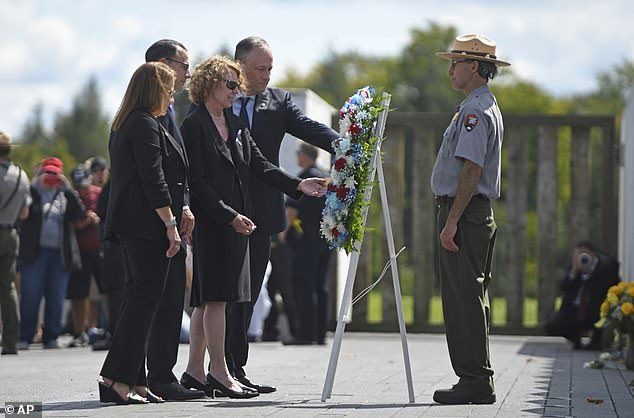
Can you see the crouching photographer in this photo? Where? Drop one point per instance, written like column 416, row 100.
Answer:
column 589, row 276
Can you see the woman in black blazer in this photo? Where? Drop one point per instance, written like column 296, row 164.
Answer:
column 147, row 178
column 222, row 154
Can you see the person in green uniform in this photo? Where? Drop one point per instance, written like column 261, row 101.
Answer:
column 465, row 178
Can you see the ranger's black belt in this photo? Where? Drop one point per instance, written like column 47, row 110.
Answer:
column 443, row 200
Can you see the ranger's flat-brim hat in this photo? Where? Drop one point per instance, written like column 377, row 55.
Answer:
column 474, row 46
column 5, row 141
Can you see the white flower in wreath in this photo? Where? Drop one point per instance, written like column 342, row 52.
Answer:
column 344, row 124
column 329, row 220
column 366, row 94
column 350, row 183
column 341, row 228
column 349, row 162
column 338, row 177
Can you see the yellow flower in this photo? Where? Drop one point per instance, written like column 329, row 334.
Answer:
column 630, row 290
column 605, row 308
column 616, row 290
column 612, row 298
column 627, row 308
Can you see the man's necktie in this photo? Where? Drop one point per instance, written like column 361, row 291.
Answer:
column 243, row 110
column 170, row 119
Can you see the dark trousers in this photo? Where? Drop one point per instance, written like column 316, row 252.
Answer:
column 113, row 280
column 310, row 278
column 162, row 351
column 146, row 273
column 464, row 278
column 9, row 244
column 281, row 281
column 239, row 314
column 565, row 323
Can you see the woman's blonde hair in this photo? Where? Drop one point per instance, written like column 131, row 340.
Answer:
column 146, row 90
column 209, row 74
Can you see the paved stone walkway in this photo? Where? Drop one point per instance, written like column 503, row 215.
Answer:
column 535, row 377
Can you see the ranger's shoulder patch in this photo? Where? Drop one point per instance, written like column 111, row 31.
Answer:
column 470, row 122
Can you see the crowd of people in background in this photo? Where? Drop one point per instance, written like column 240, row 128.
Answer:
column 57, row 249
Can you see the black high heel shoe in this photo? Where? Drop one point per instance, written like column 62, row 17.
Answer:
column 107, row 394
column 150, row 396
column 216, row 385
column 188, row 381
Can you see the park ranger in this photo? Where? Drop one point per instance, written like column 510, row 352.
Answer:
column 15, row 198
column 465, row 178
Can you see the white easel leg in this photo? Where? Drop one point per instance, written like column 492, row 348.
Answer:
column 395, row 279
column 341, row 325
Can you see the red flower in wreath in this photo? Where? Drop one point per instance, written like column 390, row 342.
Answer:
column 354, row 129
column 331, row 187
column 342, row 192
column 340, row 164
column 335, row 232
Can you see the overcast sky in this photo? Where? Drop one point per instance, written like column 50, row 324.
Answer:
column 48, row 48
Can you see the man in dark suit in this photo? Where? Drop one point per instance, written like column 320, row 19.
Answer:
column 165, row 333
column 589, row 277
column 270, row 113
column 310, row 254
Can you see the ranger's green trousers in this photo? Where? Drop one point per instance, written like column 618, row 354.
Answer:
column 464, row 278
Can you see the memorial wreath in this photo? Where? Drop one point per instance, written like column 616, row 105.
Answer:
column 342, row 217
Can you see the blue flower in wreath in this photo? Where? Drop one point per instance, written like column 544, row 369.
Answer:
column 344, row 144
column 352, row 194
column 356, row 100
column 357, row 152
column 332, row 201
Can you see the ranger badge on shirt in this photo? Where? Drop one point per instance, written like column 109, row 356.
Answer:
column 470, row 122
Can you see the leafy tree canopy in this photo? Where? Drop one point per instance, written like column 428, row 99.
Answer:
column 85, row 127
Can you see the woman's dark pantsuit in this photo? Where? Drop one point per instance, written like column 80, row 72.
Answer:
column 146, row 270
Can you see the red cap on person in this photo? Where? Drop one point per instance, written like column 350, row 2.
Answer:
column 53, row 165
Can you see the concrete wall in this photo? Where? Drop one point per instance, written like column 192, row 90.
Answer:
column 315, row 108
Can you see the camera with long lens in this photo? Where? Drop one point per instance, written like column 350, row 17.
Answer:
column 584, row 259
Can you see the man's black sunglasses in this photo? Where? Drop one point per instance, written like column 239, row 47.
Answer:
column 184, row 64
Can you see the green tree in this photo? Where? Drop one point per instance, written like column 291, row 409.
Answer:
column 340, row 74
column 520, row 96
column 34, row 130
column 37, row 143
column 415, row 78
column 85, row 127
column 609, row 97
column 29, row 155
column 420, row 82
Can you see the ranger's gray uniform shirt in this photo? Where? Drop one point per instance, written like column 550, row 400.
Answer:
column 9, row 174
column 475, row 133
